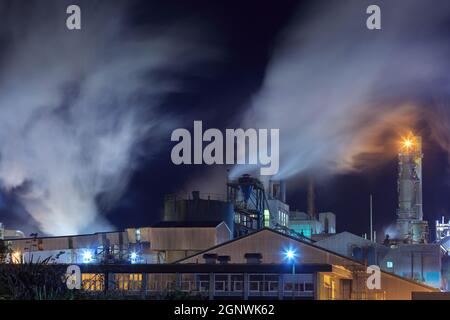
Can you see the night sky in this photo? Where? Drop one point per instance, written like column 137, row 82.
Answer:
column 244, row 38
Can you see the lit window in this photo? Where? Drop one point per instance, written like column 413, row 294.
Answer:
column 92, row 282
column 138, row 235
column 266, row 218
column 131, row 281
column 390, row 264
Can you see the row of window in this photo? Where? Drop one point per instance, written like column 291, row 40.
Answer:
column 199, row 282
column 283, row 218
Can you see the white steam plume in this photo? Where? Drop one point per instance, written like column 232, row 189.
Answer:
column 335, row 88
column 74, row 105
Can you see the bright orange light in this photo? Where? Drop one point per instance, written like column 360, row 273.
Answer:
column 16, row 257
column 407, row 143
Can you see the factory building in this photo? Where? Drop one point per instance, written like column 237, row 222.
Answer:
column 277, row 205
column 307, row 224
column 163, row 242
column 420, row 262
column 198, row 207
column 310, row 226
column 258, row 204
column 347, row 280
column 262, row 265
column 172, row 240
column 442, row 230
column 443, row 240
column 10, row 234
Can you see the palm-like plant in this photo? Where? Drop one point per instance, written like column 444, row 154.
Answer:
column 34, row 280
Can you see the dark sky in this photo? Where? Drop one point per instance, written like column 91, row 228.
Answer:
column 249, row 30
column 246, row 35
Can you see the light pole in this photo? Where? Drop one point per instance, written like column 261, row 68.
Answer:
column 290, row 255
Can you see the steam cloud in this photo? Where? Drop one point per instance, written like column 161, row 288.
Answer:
column 74, row 106
column 336, row 90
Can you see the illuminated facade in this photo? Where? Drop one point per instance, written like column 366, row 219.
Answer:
column 308, row 226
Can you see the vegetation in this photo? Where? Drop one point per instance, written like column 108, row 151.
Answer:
column 4, row 251
column 44, row 280
column 33, row 280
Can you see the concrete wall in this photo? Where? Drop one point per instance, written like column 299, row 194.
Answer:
column 183, row 238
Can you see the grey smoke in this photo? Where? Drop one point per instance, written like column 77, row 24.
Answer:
column 336, row 89
column 75, row 105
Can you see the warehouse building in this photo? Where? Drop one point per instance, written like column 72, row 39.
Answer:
column 164, row 242
column 264, row 264
column 420, row 262
column 9, row 234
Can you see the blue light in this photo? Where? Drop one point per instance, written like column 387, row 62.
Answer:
column 290, row 254
column 87, row 256
column 134, row 257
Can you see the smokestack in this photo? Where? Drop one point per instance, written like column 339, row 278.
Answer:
column 196, row 195
column 283, row 191
column 310, row 196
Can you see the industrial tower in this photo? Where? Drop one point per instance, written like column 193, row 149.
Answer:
column 410, row 225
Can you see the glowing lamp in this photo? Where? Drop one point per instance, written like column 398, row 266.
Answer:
column 407, row 143
column 87, row 256
column 290, row 254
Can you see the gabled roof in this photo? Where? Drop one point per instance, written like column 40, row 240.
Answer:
column 273, row 231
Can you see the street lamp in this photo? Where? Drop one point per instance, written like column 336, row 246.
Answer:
column 87, row 256
column 134, row 257
column 290, row 255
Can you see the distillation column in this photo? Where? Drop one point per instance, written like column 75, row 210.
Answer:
column 410, row 224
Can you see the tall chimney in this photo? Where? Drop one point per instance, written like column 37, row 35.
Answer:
column 195, row 195
column 311, row 206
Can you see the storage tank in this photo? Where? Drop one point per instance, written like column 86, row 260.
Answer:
column 198, row 207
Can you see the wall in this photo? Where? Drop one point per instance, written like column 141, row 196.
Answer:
column 421, row 262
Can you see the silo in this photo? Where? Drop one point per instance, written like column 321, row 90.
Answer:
column 198, row 207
